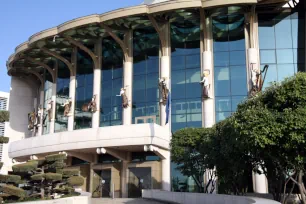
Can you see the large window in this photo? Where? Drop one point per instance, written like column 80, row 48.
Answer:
column 282, row 45
column 62, row 94
column 145, row 73
column 186, row 110
column 111, row 109
column 47, row 99
column 186, row 74
column 230, row 70
column 84, row 90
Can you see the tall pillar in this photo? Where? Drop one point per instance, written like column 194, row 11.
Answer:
column 53, row 99
column 72, row 87
column 166, row 178
column 123, row 178
column 209, row 103
column 164, row 73
column 260, row 183
column 128, row 77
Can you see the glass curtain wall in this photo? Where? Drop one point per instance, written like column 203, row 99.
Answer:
column 281, row 45
column 112, row 82
column 62, row 94
column 186, row 90
column 186, row 74
column 145, row 74
column 47, row 99
column 230, row 70
column 84, row 90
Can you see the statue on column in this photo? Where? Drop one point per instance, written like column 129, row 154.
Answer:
column 93, row 104
column 163, row 90
column 32, row 120
column 255, row 78
column 40, row 115
column 50, row 110
column 67, row 107
column 206, row 84
column 125, row 101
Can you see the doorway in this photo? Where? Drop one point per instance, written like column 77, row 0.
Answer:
column 139, row 178
column 106, row 176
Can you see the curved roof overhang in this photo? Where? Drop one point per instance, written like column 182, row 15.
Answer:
column 87, row 29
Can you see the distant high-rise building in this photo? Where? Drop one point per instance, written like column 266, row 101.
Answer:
column 4, row 105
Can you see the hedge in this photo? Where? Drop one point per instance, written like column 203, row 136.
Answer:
column 14, row 191
column 70, row 172
column 10, row 179
column 4, row 140
column 53, row 177
column 4, row 116
column 76, row 181
column 26, row 167
column 57, row 164
column 40, row 162
column 56, row 157
column 37, row 177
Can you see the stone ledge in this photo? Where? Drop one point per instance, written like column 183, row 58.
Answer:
column 70, row 200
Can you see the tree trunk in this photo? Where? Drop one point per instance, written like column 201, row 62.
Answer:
column 300, row 182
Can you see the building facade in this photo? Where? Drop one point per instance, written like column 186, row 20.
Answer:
column 110, row 89
column 4, row 132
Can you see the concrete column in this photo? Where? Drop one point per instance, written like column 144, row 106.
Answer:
column 41, row 104
column 166, row 178
column 209, row 103
column 96, row 92
column 123, row 178
column 53, row 99
column 164, row 72
column 72, row 87
column 260, row 183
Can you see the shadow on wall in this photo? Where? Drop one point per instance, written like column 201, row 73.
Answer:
column 22, row 94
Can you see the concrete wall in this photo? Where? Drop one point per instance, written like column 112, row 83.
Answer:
column 71, row 200
column 140, row 134
column 195, row 198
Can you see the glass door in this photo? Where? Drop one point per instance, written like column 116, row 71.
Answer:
column 139, row 178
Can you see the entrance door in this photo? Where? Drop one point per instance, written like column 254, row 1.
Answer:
column 139, row 178
column 106, row 183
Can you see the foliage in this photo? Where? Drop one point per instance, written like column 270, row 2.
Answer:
column 76, row 181
column 4, row 116
column 40, row 179
column 70, row 172
column 4, row 140
column 189, row 147
column 26, row 167
column 13, row 191
column 10, row 179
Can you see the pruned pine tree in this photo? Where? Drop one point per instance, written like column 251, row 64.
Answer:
column 9, row 189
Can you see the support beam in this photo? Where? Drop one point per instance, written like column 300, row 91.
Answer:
column 123, row 156
column 45, row 66
column 53, row 99
column 162, row 30
column 93, row 55
column 84, row 156
column 59, row 57
column 72, row 90
column 36, row 74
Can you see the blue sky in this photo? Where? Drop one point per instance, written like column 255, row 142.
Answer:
column 19, row 19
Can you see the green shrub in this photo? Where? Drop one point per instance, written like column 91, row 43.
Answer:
column 26, row 167
column 57, row 165
column 76, row 181
column 56, row 157
column 70, row 172
column 37, row 177
column 53, row 176
column 14, row 191
column 4, row 140
column 40, row 162
column 4, row 116
column 10, row 179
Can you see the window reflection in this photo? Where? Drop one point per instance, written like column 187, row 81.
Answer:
column 282, row 43
column 84, row 90
column 230, row 63
column 146, row 74
column 112, row 72
column 47, row 99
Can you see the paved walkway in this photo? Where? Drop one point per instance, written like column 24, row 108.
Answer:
column 122, row 201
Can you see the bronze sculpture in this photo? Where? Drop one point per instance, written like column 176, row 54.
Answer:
column 67, row 107
column 206, row 85
column 163, row 90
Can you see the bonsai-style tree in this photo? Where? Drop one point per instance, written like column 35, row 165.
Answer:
column 9, row 183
